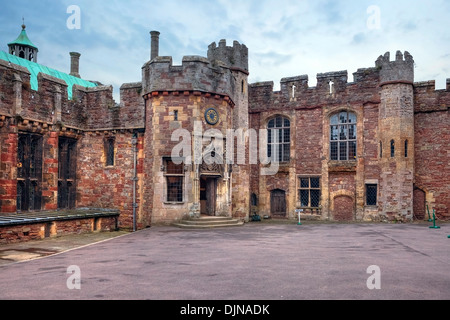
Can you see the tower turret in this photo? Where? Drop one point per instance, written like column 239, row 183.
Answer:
column 22, row 47
column 236, row 59
column 396, row 135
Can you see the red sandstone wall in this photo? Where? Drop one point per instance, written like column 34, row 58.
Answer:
column 107, row 187
column 8, row 161
column 432, row 135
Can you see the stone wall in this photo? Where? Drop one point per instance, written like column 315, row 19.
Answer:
column 102, row 186
column 432, row 138
column 38, row 231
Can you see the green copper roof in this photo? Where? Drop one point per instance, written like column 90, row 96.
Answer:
column 35, row 68
column 23, row 39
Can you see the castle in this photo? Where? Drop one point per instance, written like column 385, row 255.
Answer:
column 375, row 149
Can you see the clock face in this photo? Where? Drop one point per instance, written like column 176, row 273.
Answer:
column 212, row 116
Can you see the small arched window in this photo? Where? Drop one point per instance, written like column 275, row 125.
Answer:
column 343, row 136
column 279, row 139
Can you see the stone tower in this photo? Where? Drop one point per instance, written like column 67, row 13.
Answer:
column 236, row 59
column 396, row 136
column 202, row 99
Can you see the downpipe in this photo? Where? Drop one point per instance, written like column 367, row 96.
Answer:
column 135, row 150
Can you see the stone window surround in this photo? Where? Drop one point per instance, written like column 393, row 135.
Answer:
column 166, row 175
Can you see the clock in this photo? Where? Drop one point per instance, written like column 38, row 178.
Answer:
column 211, row 116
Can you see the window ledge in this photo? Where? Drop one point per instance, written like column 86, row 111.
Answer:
column 174, row 203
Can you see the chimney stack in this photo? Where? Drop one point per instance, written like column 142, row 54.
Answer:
column 154, row 44
column 75, row 64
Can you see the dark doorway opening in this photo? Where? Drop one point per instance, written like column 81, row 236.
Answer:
column 29, row 172
column 278, row 203
column 208, row 195
column 67, row 173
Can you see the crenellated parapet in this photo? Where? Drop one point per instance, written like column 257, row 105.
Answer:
column 331, row 88
column 399, row 70
column 195, row 74
column 234, row 57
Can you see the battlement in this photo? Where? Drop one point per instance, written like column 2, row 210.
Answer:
column 196, row 73
column 233, row 57
column 399, row 70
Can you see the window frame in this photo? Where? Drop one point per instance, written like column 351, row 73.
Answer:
column 172, row 175
column 309, row 189
column 336, row 144
column 367, row 186
column 110, row 153
column 283, row 156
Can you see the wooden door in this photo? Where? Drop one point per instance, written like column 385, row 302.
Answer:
column 278, row 203
column 211, row 194
column 419, row 204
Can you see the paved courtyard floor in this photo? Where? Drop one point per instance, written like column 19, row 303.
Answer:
column 258, row 261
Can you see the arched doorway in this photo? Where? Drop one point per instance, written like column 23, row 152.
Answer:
column 278, row 203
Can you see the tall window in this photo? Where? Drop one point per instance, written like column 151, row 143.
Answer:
column 29, row 172
column 406, row 148
column 392, row 148
column 174, row 174
column 343, row 136
column 309, row 192
column 279, row 139
column 381, row 149
column 67, row 173
column 109, row 151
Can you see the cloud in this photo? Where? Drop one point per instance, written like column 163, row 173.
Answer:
column 284, row 37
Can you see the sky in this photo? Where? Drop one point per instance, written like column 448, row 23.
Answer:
column 285, row 38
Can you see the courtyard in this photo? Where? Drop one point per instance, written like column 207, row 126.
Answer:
column 264, row 261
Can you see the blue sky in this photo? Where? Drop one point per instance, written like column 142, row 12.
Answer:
column 285, row 37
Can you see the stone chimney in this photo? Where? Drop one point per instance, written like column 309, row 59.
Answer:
column 75, row 64
column 154, row 44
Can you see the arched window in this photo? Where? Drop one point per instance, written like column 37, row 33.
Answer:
column 279, row 139
column 343, row 136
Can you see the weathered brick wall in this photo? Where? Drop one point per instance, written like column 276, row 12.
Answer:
column 8, row 168
column 432, row 175
column 104, row 186
column 309, row 109
column 308, row 141
column 50, row 171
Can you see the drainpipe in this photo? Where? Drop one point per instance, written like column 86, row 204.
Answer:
column 134, row 143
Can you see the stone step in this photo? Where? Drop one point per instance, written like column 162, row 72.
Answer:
column 208, row 222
